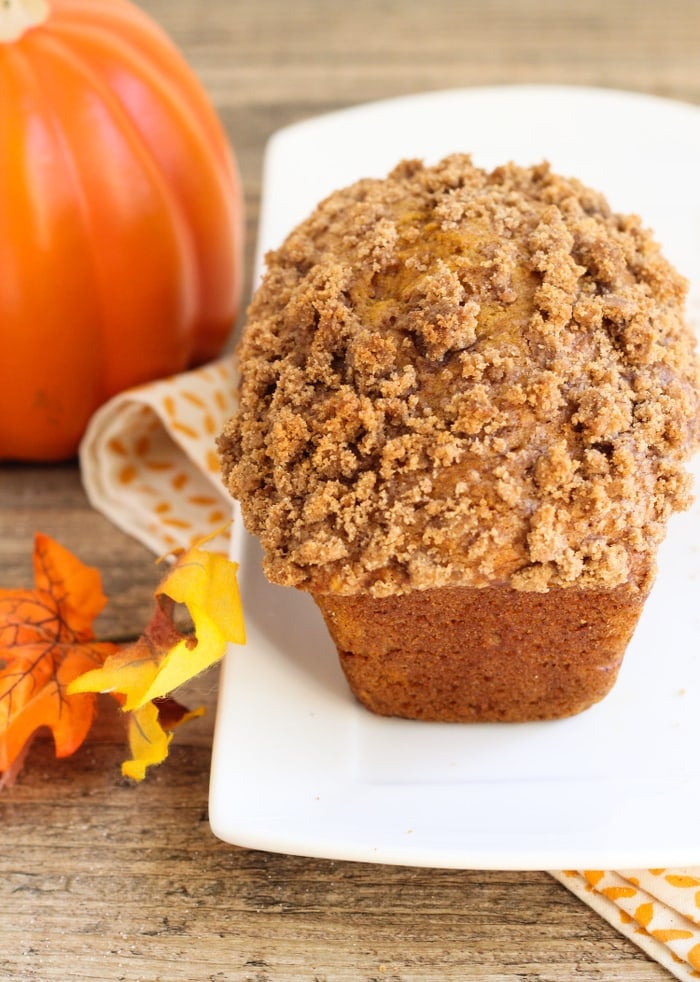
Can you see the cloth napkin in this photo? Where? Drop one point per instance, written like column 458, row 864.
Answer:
column 148, row 462
column 657, row 909
column 148, row 459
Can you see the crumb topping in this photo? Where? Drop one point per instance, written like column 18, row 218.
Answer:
column 460, row 377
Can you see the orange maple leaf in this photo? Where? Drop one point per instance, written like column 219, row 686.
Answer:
column 47, row 641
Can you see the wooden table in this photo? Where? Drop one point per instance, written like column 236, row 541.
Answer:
column 104, row 880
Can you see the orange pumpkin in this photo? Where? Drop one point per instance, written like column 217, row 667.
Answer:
column 120, row 217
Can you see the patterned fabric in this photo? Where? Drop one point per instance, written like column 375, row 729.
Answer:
column 148, row 463
column 658, row 909
column 148, row 459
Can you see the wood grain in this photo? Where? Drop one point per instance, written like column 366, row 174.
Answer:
column 104, row 880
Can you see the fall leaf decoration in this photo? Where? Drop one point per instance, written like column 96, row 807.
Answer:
column 46, row 641
column 163, row 658
column 51, row 665
column 150, row 731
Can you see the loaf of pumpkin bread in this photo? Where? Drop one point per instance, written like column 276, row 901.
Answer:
column 466, row 400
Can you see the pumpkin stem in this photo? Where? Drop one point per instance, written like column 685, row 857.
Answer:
column 19, row 16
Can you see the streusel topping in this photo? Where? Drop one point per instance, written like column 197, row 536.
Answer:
column 460, row 377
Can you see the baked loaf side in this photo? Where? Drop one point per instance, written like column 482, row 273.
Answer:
column 463, row 654
column 453, row 377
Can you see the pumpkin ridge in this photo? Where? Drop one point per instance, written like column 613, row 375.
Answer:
column 136, row 36
column 167, row 207
column 164, row 204
column 42, row 397
column 197, row 122
column 77, row 187
column 200, row 120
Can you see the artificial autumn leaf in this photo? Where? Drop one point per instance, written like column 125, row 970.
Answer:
column 150, row 732
column 163, row 658
column 46, row 641
column 51, row 666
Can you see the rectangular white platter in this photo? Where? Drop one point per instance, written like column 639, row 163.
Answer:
column 298, row 766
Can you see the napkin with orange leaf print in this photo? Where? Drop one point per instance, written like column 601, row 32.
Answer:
column 148, row 459
column 148, row 462
column 658, row 909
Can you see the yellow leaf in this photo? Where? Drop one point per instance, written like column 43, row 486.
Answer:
column 206, row 583
column 120, row 673
column 150, row 733
column 209, row 581
column 163, row 658
column 148, row 741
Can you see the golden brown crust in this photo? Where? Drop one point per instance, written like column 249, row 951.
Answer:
column 458, row 654
column 458, row 378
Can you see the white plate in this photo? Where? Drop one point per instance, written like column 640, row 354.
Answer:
column 298, row 766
